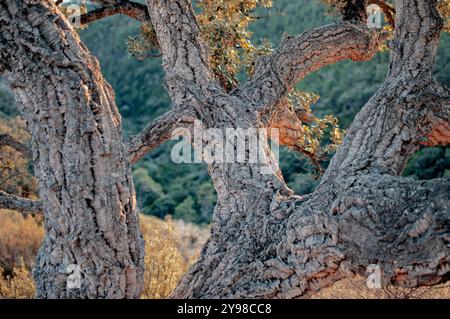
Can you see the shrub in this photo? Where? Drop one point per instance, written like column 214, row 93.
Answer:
column 20, row 238
column 171, row 247
column 164, row 265
column 18, row 285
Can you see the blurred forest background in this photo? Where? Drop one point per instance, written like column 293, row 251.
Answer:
column 185, row 191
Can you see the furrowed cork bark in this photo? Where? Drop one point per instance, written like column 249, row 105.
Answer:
column 85, row 181
column 269, row 243
column 266, row 242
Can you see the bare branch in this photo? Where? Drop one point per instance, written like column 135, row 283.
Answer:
column 23, row 205
column 403, row 226
column 157, row 132
column 134, row 10
column 6, row 139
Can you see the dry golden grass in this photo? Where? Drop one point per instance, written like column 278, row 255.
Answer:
column 18, row 285
column 20, row 238
column 171, row 247
column 164, row 264
column 15, row 176
column 191, row 239
column 356, row 288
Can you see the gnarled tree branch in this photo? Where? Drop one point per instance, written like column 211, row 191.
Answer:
column 402, row 225
column 23, row 205
column 132, row 9
column 157, row 132
column 6, row 139
column 298, row 56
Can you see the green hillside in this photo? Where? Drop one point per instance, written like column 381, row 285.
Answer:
column 185, row 191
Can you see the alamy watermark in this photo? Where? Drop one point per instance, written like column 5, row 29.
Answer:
column 74, row 276
column 375, row 17
column 74, row 11
column 227, row 145
column 374, row 276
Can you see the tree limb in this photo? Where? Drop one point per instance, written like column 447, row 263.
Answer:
column 6, row 139
column 402, row 225
column 398, row 224
column 134, row 10
column 411, row 32
column 157, row 132
column 23, row 205
column 298, row 56
column 267, row 243
column 185, row 55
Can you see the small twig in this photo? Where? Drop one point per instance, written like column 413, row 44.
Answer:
column 11, row 176
column 6, row 139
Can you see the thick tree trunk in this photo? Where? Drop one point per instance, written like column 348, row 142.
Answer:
column 85, row 180
column 266, row 242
